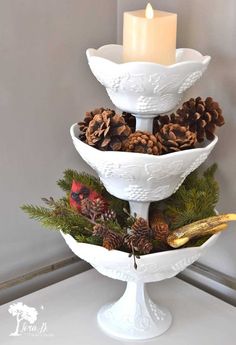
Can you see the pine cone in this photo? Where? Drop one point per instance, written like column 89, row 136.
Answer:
column 160, row 231
column 85, row 205
column 159, row 122
column 144, row 245
column 107, row 131
column 143, row 142
column 159, row 226
column 140, row 244
column 201, row 116
column 109, row 215
column 111, row 240
column 129, row 120
column 93, row 209
column 175, row 137
column 139, row 237
column 83, row 125
column 100, row 230
column 97, row 208
column 140, row 227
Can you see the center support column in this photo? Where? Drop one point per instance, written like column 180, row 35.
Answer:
column 139, row 208
column 144, row 122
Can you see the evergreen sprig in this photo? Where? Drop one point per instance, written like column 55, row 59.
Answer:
column 64, row 218
column 195, row 199
column 59, row 215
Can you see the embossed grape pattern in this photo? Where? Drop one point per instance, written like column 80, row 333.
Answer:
column 144, row 88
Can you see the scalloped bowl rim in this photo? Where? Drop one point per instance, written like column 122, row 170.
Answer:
column 142, row 155
column 124, row 255
column 91, row 54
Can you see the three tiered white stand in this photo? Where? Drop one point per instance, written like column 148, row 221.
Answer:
column 145, row 90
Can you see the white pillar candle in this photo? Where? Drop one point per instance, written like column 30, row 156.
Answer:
column 149, row 35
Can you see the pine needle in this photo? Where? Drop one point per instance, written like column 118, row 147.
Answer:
column 195, row 199
column 64, row 219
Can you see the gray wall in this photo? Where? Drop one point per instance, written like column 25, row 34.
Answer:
column 45, row 86
column 210, row 27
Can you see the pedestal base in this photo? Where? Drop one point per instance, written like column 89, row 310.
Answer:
column 134, row 316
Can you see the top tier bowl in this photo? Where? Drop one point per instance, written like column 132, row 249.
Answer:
column 146, row 88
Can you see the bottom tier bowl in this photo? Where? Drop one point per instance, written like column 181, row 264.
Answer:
column 135, row 316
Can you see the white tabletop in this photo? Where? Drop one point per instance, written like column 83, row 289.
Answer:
column 67, row 314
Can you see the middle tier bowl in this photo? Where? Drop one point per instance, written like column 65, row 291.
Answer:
column 140, row 177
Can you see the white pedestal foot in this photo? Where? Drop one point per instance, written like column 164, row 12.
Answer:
column 134, row 316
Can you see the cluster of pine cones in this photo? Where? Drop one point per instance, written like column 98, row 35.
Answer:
column 140, row 236
column 196, row 120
